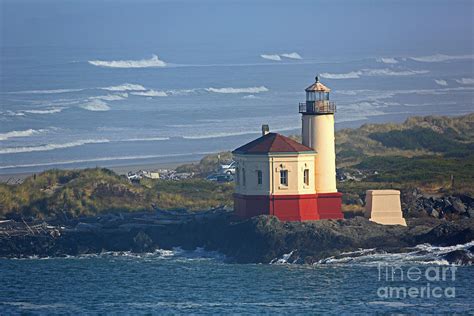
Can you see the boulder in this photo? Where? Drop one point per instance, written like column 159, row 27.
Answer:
column 458, row 206
column 142, row 243
column 460, row 257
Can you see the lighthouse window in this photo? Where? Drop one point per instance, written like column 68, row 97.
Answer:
column 284, row 177
column 306, row 176
column 259, row 177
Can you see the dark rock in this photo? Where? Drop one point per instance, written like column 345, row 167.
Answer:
column 458, row 206
column 434, row 213
column 460, row 257
column 142, row 243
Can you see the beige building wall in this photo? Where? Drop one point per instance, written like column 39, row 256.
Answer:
column 318, row 133
column 271, row 165
column 384, row 207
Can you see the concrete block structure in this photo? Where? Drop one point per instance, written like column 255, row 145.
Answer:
column 295, row 182
column 383, row 207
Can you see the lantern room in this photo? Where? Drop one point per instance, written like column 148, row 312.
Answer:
column 317, row 99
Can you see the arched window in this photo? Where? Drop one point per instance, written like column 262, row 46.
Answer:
column 306, row 176
column 284, row 177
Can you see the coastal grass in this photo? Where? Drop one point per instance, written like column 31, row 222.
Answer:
column 433, row 154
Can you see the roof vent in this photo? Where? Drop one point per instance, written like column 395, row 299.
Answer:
column 265, row 129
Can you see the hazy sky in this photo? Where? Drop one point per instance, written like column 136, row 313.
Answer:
column 330, row 27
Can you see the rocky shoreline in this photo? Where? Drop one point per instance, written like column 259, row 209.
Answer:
column 258, row 240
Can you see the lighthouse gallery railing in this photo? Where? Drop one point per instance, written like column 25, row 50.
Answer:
column 317, row 107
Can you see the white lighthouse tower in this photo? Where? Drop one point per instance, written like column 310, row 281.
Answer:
column 318, row 134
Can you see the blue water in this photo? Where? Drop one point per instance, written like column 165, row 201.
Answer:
column 71, row 95
column 200, row 282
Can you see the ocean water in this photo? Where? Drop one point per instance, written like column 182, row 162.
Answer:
column 200, row 282
column 87, row 83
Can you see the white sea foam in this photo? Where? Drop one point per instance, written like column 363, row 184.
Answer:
column 293, row 55
column 465, row 81
column 54, row 91
column 154, row 61
column 274, row 57
column 441, row 57
column 390, row 72
column 151, row 93
column 349, row 75
column 125, row 87
column 238, row 90
column 111, row 97
column 387, row 60
column 25, row 133
column 250, row 96
column 48, row 147
column 373, row 72
column 45, row 111
column 68, row 162
column 441, row 82
column 421, row 254
column 145, row 139
column 96, row 106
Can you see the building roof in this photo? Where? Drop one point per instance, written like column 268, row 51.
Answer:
column 273, row 143
column 317, row 86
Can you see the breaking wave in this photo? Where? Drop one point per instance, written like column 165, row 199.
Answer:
column 68, row 162
column 441, row 82
column 277, row 57
column 45, row 111
column 421, row 254
column 465, row 81
column 125, row 87
column 151, row 93
column 111, row 97
column 238, row 90
column 55, row 91
column 440, row 58
column 47, row 147
column 387, row 60
column 274, row 57
column 293, row 55
column 96, row 106
column 154, row 61
column 373, row 72
column 25, row 133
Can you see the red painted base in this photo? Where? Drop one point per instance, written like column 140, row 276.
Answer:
column 305, row 207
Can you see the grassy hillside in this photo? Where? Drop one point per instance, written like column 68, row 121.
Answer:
column 70, row 193
column 424, row 153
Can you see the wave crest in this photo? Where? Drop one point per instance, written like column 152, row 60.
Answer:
column 151, row 93
column 274, row 57
column 154, row 61
column 25, row 133
column 96, row 106
column 387, row 60
column 293, row 55
column 465, row 81
column 47, row 147
column 125, row 87
column 373, row 72
column 440, row 58
column 238, row 90
column 441, row 82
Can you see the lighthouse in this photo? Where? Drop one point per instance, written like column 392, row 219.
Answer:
column 278, row 176
column 318, row 133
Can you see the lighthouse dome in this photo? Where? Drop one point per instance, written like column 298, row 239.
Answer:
column 317, row 87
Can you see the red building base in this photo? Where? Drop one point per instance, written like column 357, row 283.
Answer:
column 306, row 207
